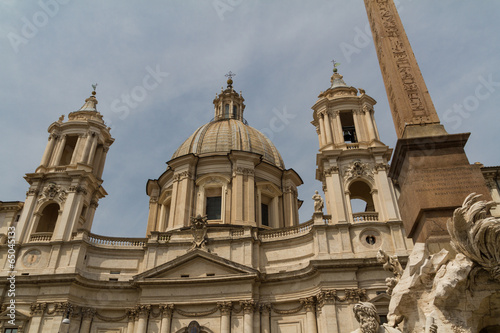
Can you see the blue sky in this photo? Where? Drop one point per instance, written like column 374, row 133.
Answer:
column 52, row 51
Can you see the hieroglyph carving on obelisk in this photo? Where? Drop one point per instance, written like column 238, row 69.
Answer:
column 408, row 96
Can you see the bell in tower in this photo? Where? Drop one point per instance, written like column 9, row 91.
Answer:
column 66, row 187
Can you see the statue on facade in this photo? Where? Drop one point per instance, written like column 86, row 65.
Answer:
column 369, row 320
column 318, row 202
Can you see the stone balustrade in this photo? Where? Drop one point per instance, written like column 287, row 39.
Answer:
column 365, row 217
column 41, row 237
column 284, row 233
column 116, row 241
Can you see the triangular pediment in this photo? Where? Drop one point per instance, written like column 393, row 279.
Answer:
column 20, row 319
column 197, row 264
column 382, row 298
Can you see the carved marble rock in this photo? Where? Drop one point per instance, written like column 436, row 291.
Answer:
column 390, row 264
column 459, row 291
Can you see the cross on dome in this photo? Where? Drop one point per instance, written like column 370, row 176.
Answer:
column 230, row 76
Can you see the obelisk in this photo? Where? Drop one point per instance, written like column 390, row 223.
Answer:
column 429, row 165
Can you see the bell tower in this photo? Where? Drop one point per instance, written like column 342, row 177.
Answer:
column 352, row 162
column 66, row 187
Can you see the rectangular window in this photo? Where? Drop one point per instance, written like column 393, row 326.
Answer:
column 10, row 330
column 214, row 208
column 265, row 214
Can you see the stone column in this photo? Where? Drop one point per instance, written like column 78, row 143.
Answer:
column 265, row 318
column 59, row 150
column 76, row 152
column 386, row 198
column 358, row 127
column 335, row 195
column 225, row 319
column 238, row 195
column 250, row 212
column 86, row 149
column 369, row 123
column 23, row 231
column 97, row 159
column 248, row 308
column 153, row 215
column 132, row 316
column 87, row 316
column 310, row 305
column 90, row 215
column 143, row 314
column 166, row 317
column 326, row 304
column 328, row 128
column 322, row 137
column 337, row 127
column 49, row 149
column 90, row 158
column 100, row 169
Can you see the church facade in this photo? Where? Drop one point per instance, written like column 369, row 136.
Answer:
column 224, row 250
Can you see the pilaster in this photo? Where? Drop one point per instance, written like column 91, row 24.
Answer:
column 310, row 307
column 225, row 319
column 166, row 317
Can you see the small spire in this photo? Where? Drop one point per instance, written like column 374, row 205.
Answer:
column 230, row 76
column 336, row 78
column 91, row 102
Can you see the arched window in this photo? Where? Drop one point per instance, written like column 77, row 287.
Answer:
column 48, row 218
column 361, row 198
column 235, row 113
column 362, row 206
column 226, row 113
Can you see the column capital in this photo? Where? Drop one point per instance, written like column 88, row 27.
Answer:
column 38, row 308
column 182, row 175
column 131, row 314
column 88, row 313
column 248, row 306
column 166, row 309
column 265, row 308
column 331, row 170
column 243, row 171
column 308, row 303
column 225, row 307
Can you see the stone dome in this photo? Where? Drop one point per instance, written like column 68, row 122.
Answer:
column 224, row 135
